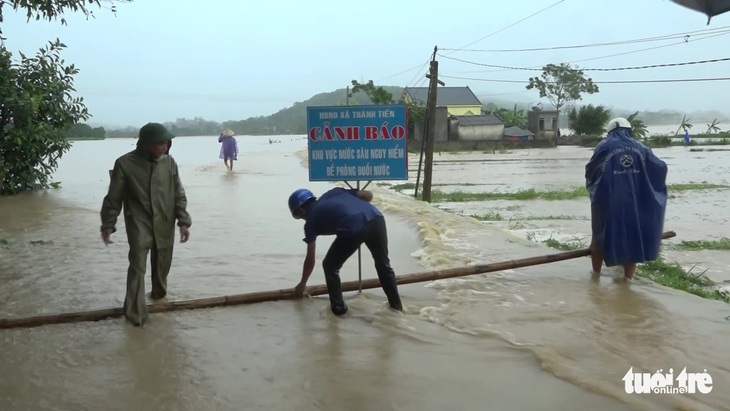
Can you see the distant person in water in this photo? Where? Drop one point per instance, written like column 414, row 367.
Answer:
column 626, row 182
column 229, row 148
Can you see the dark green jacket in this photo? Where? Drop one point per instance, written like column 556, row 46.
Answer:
column 153, row 198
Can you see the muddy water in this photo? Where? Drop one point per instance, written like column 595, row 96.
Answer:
column 546, row 337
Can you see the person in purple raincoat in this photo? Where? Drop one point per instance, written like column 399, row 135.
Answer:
column 229, row 148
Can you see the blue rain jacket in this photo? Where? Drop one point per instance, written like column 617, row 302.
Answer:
column 627, row 187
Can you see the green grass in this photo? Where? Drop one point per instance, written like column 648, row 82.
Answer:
column 661, row 272
column 495, row 216
column 721, row 244
column 659, row 142
column 521, row 195
column 439, row 196
column 674, row 276
column 669, row 141
column 492, row 216
column 567, row 246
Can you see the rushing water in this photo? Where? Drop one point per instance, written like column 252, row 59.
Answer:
column 694, row 214
column 544, row 337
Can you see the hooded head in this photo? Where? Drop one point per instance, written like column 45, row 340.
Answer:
column 154, row 139
column 619, row 126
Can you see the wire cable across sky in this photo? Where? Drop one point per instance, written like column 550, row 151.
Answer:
column 686, row 36
column 595, row 69
column 597, row 82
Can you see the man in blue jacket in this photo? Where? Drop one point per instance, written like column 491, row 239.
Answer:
column 627, row 186
column 349, row 215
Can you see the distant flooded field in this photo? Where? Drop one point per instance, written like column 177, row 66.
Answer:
column 539, row 194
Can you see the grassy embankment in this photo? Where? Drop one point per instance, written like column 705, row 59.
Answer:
column 670, row 275
column 720, row 139
column 439, row 196
column 502, row 147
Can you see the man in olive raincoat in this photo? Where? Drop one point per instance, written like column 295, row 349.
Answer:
column 146, row 182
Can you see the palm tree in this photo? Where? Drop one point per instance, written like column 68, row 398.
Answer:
column 684, row 125
column 713, row 128
column 512, row 117
column 637, row 126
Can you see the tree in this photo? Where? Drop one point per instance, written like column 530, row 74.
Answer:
column 54, row 9
column 378, row 95
column 37, row 108
column 562, row 84
column 589, row 120
column 513, row 117
column 85, row 131
column 36, row 113
column 637, row 126
column 684, row 125
column 713, row 127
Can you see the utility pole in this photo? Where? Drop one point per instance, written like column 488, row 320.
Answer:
column 431, row 128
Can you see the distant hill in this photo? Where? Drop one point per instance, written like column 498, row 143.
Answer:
column 293, row 119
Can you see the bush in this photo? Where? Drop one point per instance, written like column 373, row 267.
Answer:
column 36, row 113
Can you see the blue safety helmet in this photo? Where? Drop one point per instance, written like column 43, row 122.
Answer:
column 298, row 198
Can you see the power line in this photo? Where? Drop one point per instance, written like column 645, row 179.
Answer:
column 477, row 41
column 598, row 82
column 593, row 69
column 415, row 78
column 685, row 35
column 703, row 35
column 401, row 72
column 648, row 49
column 621, row 54
column 505, row 28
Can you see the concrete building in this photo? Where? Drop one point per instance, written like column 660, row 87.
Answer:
column 543, row 124
column 476, row 128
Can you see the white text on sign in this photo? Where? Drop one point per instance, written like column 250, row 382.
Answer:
column 359, row 154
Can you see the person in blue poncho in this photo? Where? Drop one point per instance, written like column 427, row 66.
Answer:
column 626, row 182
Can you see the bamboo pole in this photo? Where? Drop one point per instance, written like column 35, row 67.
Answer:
column 287, row 294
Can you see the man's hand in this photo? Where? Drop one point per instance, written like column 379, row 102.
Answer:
column 106, row 236
column 184, row 234
column 300, row 289
column 364, row 195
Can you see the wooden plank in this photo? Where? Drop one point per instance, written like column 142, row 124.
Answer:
column 275, row 295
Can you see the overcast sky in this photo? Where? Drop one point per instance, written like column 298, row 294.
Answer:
column 158, row 60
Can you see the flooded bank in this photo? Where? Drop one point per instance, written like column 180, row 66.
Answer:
column 694, row 212
column 544, row 337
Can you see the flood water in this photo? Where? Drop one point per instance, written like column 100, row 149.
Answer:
column 544, row 337
column 694, row 214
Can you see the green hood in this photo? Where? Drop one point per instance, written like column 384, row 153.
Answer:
column 153, row 133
